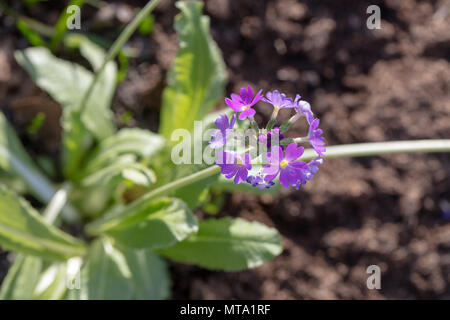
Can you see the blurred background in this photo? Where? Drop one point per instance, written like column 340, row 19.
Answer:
column 391, row 83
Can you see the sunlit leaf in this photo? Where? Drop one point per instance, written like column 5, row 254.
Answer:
column 227, row 244
column 22, row 278
column 153, row 224
column 105, row 276
column 150, row 274
column 23, row 229
column 197, row 78
column 67, row 83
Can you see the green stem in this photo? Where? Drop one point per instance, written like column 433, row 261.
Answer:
column 350, row 150
column 346, row 150
column 177, row 184
column 378, row 148
column 100, row 225
column 117, row 45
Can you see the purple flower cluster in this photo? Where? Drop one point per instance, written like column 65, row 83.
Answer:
column 243, row 103
column 281, row 159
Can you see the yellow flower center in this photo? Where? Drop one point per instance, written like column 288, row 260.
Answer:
column 283, row 164
column 239, row 162
column 245, row 108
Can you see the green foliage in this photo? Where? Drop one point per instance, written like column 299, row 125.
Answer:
column 52, row 284
column 122, row 273
column 22, row 278
column 106, row 274
column 32, row 36
column 197, row 79
column 139, row 143
column 227, row 244
column 23, row 229
column 12, row 153
column 36, row 124
column 149, row 273
column 137, row 204
column 154, row 224
column 146, row 26
column 67, row 83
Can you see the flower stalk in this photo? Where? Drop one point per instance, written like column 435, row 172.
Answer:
column 341, row 151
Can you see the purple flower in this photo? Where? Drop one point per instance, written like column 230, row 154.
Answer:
column 303, row 107
column 313, row 167
column 232, row 165
column 258, row 182
column 268, row 137
column 219, row 136
column 291, row 171
column 278, row 100
column 243, row 103
column 315, row 137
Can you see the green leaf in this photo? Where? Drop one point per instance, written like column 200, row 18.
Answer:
column 124, row 168
column 141, row 143
column 149, row 274
column 197, row 78
column 32, row 36
column 77, row 140
column 227, row 244
column 36, row 124
column 12, row 153
column 52, row 283
column 154, row 224
column 67, row 83
column 58, row 279
column 105, row 276
column 146, row 26
column 23, row 229
column 22, row 278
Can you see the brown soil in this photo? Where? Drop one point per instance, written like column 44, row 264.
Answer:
column 365, row 85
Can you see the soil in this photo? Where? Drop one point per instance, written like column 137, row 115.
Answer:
column 364, row 85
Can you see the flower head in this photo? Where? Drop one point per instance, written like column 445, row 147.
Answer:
column 291, row 171
column 315, row 137
column 233, row 165
column 278, row 100
column 282, row 159
column 243, row 103
column 219, row 136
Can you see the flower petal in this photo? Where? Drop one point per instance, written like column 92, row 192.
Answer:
column 241, row 175
column 222, row 122
column 271, row 169
column 284, row 178
column 293, row 152
column 247, row 113
column 257, row 97
column 236, row 106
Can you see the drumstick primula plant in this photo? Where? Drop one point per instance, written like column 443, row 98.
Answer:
column 125, row 205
